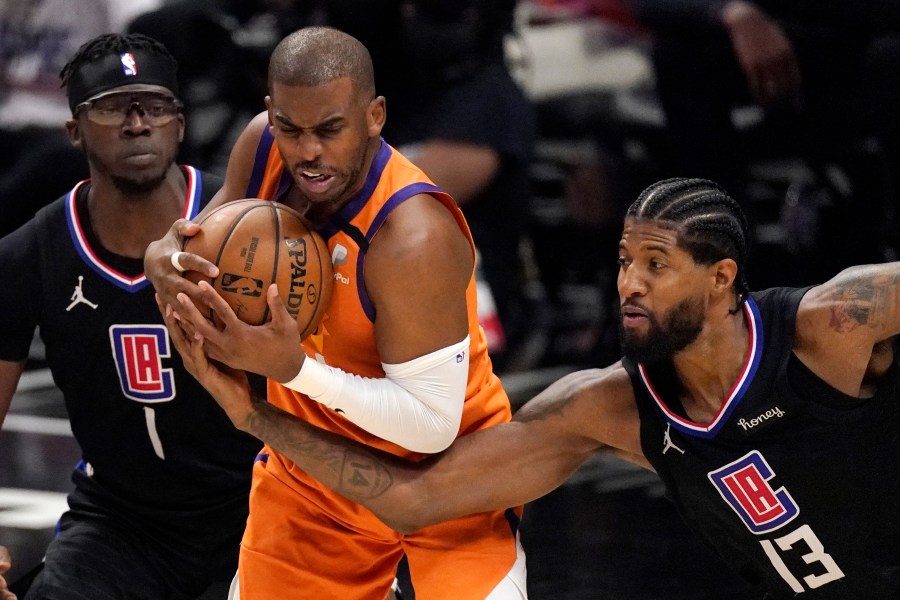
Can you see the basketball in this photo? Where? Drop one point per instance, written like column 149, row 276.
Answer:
column 256, row 243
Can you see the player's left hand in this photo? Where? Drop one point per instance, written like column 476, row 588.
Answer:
column 228, row 386
column 271, row 349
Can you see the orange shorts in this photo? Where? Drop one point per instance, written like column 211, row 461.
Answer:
column 304, row 541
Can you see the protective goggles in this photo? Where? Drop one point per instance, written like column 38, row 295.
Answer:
column 113, row 110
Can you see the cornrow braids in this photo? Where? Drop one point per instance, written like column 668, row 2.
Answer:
column 710, row 224
column 112, row 43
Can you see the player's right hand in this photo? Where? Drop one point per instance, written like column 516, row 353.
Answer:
column 229, row 387
column 159, row 269
column 5, row 564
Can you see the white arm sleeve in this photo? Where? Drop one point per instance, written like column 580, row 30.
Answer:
column 418, row 405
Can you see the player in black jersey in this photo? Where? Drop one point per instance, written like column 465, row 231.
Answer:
column 773, row 418
column 160, row 499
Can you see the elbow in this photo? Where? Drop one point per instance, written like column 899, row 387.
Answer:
column 433, row 442
column 432, row 434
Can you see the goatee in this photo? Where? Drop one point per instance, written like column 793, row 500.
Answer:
column 681, row 326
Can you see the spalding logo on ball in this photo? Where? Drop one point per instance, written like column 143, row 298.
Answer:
column 256, row 243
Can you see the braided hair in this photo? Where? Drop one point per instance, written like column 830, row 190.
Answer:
column 710, row 224
column 112, row 43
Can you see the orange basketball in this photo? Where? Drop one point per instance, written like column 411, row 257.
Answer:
column 256, row 243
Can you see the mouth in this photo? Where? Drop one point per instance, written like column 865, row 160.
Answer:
column 139, row 157
column 633, row 315
column 314, row 175
column 313, row 181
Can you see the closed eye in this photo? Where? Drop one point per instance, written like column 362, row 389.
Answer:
column 328, row 131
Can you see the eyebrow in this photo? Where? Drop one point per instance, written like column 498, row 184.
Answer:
column 648, row 247
column 328, row 121
column 657, row 247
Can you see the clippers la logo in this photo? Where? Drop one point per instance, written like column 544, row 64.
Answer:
column 138, row 351
column 129, row 66
column 744, row 485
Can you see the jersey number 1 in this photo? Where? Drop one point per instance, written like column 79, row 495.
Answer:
column 138, row 351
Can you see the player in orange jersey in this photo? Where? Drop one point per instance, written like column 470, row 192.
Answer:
column 399, row 361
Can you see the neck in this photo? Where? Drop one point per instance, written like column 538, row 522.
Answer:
column 126, row 223
column 712, row 364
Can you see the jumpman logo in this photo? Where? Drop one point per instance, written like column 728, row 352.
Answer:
column 78, row 297
column 667, row 441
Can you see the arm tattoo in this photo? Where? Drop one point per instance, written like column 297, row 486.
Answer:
column 863, row 300
column 355, row 474
column 364, row 476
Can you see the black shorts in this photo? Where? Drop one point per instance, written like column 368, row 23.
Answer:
column 98, row 555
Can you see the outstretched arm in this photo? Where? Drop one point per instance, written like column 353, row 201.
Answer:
column 495, row 468
column 841, row 322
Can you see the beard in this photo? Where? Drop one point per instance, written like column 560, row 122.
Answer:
column 349, row 176
column 680, row 327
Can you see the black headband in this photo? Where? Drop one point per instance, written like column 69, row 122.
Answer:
column 115, row 70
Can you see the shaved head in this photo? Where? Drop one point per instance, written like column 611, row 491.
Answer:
column 315, row 56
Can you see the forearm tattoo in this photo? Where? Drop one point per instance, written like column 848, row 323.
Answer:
column 866, row 299
column 355, row 474
column 364, row 476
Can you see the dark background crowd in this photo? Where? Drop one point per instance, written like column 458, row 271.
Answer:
column 791, row 106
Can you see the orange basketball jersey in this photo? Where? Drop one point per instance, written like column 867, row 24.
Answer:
column 346, row 335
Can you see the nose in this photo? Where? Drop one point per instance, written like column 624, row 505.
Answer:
column 309, row 147
column 135, row 118
column 631, row 282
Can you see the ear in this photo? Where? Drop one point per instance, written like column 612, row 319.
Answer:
column 180, row 127
column 268, row 101
column 724, row 273
column 73, row 132
column 376, row 115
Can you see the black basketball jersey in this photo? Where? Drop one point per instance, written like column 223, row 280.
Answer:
column 154, row 444
column 792, row 481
